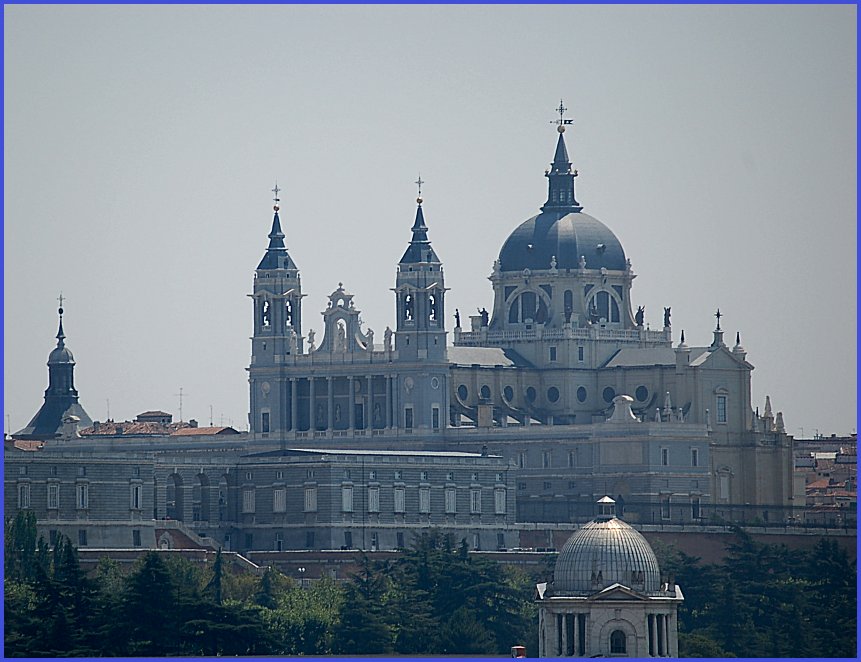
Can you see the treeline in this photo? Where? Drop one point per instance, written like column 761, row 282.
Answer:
column 766, row 600
column 435, row 599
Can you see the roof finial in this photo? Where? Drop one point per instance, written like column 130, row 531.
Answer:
column 561, row 122
column 718, row 316
column 276, row 198
column 60, row 334
column 419, row 183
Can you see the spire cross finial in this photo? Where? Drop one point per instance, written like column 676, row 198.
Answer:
column 61, row 298
column 419, row 183
column 276, row 191
column 562, row 121
column 718, row 316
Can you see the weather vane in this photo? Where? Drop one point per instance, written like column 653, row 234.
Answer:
column 562, row 121
column 419, row 183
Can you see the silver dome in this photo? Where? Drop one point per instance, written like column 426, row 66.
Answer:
column 604, row 552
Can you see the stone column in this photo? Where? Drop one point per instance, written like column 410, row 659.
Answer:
column 666, row 620
column 312, row 409
column 650, row 618
column 660, row 626
column 388, row 402
column 294, row 404
column 370, row 417
column 564, row 624
column 330, row 405
column 351, row 402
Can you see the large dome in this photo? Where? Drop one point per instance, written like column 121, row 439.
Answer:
column 604, row 552
column 566, row 235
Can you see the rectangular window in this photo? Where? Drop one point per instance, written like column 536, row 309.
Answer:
column 83, row 491
column 548, row 485
column 408, row 418
column 249, row 501
column 136, row 538
column 53, row 496
column 82, row 537
column 476, row 541
column 249, row 541
column 498, row 478
column 665, row 457
column 52, row 537
column 373, row 499
column 545, row 459
column 450, row 501
column 552, row 353
column 24, row 496
column 400, row 500
column 309, row 535
column 580, row 354
column 450, row 475
column 279, row 541
column 279, row 500
column 435, row 417
column 499, row 501
column 695, row 507
column 521, row 460
column 348, row 539
column 723, row 486
column 695, row 457
column 400, row 539
column 279, row 475
column 500, row 541
column 424, row 500
column 721, row 409
column 248, row 475
column 665, row 508
column 521, row 486
column 347, row 498
column 375, row 541
column 135, row 493
column 310, row 499
column 264, row 421
column 424, row 475
column 399, row 475
column 475, row 502
column 372, row 475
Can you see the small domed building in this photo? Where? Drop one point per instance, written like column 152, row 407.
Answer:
column 608, row 597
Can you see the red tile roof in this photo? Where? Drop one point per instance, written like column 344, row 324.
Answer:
column 188, row 432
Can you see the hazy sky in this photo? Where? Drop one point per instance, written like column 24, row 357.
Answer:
column 718, row 143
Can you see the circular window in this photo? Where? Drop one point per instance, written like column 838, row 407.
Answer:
column 642, row 393
column 508, row 392
column 434, row 382
column 609, row 393
column 485, row 392
column 462, row 392
column 553, row 394
column 581, row 394
column 531, row 394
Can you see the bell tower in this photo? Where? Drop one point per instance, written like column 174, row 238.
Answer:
column 420, row 295
column 277, row 324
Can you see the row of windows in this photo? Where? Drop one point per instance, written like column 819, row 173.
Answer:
column 547, row 458
column 82, row 496
column 398, row 474
column 279, row 500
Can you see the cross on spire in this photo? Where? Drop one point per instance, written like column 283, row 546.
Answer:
column 276, row 190
column 718, row 316
column 61, row 298
column 562, row 121
column 419, row 183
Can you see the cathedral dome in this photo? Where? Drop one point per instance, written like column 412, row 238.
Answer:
column 565, row 235
column 604, row 552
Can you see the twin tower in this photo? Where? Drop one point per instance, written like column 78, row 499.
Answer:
column 348, row 383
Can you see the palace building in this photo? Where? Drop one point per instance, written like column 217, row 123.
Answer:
column 555, row 397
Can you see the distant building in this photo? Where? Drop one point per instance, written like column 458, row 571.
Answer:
column 61, row 406
column 608, row 597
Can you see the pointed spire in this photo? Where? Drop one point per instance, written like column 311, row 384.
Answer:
column 276, row 246
column 767, row 413
column 560, row 196
column 419, row 249
column 61, row 337
column 682, row 343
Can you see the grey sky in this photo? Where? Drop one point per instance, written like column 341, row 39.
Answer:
column 718, row 143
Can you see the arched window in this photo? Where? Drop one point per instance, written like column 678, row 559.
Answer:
column 606, row 306
column 568, row 302
column 618, row 643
